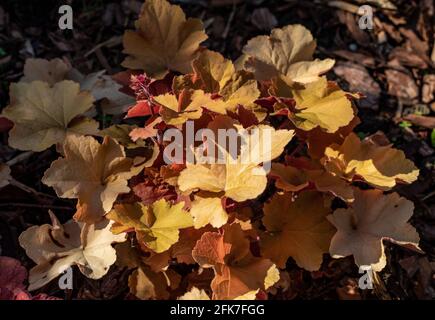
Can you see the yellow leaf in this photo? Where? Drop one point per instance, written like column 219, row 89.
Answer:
column 208, row 211
column 272, row 277
column 157, row 225
column 322, row 104
column 372, row 218
column 45, row 115
column 56, row 247
column 164, row 40
column 212, row 70
column 296, row 229
column 92, row 172
column 380, row 165
column 241, row 89
column 194, row 294
column 251, row 295
column 187, row 104
column 286, row 53
column 240, row 178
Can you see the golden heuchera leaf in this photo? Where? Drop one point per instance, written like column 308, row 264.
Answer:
column 326, row 181
column 318, row 139
column 45, row 115
column 92, row 172
column 379, row 165
column 296, row 229
column 237, row 271
column 212, row 71
column 50, row 71
column 216, row 75
column 243, row 178
column 56, row 247
column 163, row 40
column 208, row 210
column 158, row 225
column 322, row 104
column 181, row 251
column 200, row 294
column 121, row 133
column 287, row 53
column 289, row 178
column 372, row 218
column 5, row 175
column 194, row 294
column 184, row 105
column 242, row 89
column 144, row 283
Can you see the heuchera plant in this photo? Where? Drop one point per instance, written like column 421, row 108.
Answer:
column 235, row 218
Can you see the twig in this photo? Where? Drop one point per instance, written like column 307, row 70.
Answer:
column 114, row 41
column 28, row 189
column 103, row 60
column 430, row 195
column 21, row 157
column 399, row 110
column 34, row 205
column 229, row 22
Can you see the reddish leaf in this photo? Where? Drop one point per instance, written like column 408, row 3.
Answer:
column 5, row 124
column 12, row 277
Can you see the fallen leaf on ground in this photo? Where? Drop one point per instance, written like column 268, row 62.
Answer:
column 360, row 81
column 50, row 71
column 401, row 85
